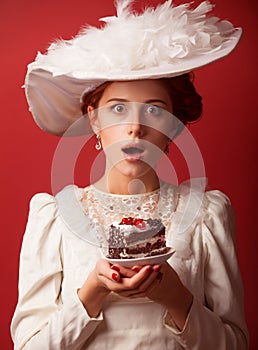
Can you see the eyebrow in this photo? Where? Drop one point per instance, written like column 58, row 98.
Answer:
column 151, row 101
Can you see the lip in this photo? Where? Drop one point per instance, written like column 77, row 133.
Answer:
column 133, row 151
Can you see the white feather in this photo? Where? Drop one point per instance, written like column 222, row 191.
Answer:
column 132, row 41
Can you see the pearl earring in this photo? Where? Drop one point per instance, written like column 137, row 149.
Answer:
column 98, row 144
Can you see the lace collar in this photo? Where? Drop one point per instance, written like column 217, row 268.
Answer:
column 106, row 208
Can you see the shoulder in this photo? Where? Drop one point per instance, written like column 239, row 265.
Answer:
column 46, row 210
column 216, row 201
column 46, row 203
column 42, row 205
column 45, row 224
column 41, row 200
column 196, row 206
column 194, row 197
column 69, row 200
column 42, row 233
column 217, row 206
column 218, row 220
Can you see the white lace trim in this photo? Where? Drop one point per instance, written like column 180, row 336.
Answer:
column 105, row 208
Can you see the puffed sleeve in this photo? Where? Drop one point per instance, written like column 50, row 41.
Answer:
column 220, row 323
column 41, row 320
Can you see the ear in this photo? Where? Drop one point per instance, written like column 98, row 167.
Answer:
column 92, row 115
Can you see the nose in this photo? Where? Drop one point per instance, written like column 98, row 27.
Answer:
column 135, row 127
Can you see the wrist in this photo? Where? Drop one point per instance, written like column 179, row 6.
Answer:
column 92, row 296
column 180, row 309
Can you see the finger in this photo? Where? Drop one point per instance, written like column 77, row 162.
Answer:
column 124, row 271
column 145, row 288
column 131, row 285
column 156, row 268
column 141, row 276
column 128, row 284
column 114, row 280
column 104, row 271
column 137, row 268
column 148, row 286
column 147, row 282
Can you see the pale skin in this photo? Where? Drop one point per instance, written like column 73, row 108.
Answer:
column 121, row 171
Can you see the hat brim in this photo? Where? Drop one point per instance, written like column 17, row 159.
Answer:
column 55, row 98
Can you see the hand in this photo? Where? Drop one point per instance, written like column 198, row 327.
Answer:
column 136, row 286
column 122, row 280
column 102, row 280
column 164, row 286
column 159, row 283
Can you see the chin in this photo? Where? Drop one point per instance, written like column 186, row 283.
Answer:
column 132, row 169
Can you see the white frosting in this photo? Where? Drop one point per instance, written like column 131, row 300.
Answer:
column 129, row 229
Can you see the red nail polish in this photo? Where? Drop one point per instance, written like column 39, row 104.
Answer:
column 157, row 268
column 116, row 268
column 149, row 268
column 115, row 276
column 135, row 269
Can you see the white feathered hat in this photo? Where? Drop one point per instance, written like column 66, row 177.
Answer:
column 163, row 42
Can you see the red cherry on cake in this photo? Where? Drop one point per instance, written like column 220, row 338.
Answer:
column 139, row 223
column 127, row 221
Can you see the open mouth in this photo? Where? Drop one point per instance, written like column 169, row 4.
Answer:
column 133, row 152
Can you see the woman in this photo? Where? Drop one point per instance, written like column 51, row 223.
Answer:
column 71, row 297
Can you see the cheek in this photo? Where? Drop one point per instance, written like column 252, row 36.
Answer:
column 163, row 142
column 111, row 136
column 164, row 127
column 159, row 139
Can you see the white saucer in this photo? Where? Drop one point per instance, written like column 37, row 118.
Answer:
column 150, row 260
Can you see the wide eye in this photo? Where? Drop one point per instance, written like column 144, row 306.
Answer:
column 153, row 110
column 118, row 108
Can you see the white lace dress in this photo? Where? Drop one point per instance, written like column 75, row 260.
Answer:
column 61, row 247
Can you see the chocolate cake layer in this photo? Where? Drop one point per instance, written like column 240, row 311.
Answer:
column 135, row 238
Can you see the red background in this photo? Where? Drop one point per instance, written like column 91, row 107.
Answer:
column 225, row 134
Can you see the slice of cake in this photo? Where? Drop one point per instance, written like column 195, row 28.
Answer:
column 136, row 238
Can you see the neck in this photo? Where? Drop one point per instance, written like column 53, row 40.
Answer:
column 117, row 183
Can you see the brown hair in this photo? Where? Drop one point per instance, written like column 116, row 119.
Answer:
column 93, row 97
column 187, row 103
